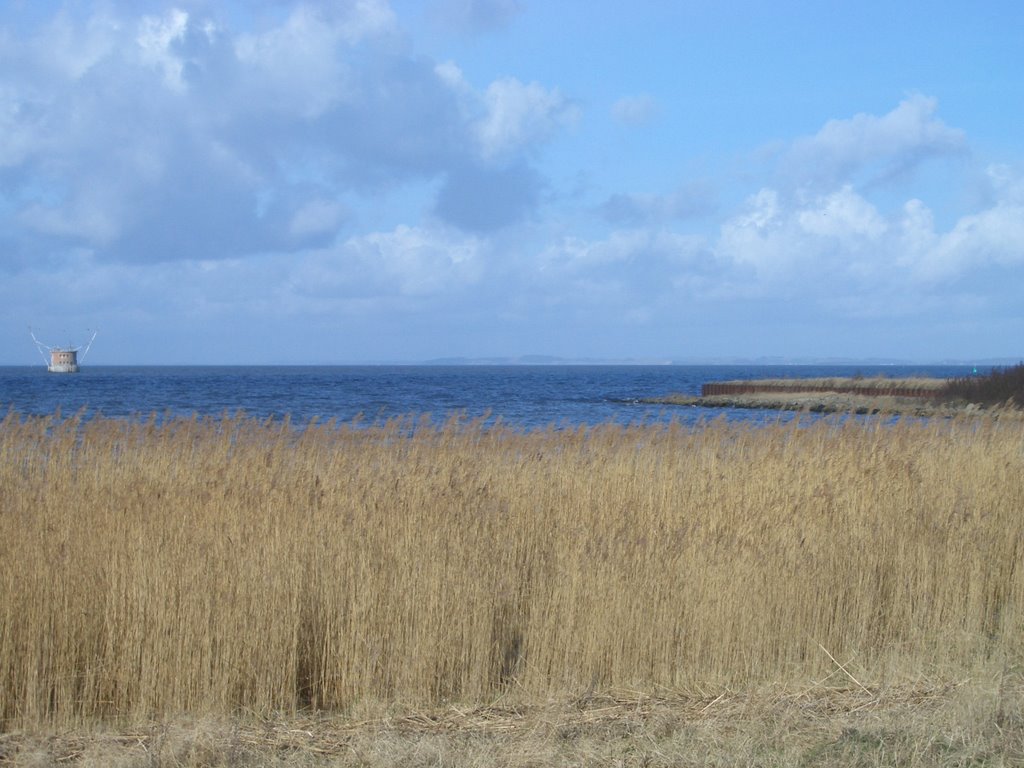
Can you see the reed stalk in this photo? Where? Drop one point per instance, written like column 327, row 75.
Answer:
column 211, row 566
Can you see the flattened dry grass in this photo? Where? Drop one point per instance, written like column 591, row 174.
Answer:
column 225, row 566
column 968, row 723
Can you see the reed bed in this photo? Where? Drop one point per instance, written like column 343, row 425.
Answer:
column 867, row 384
column 1001, row 386
column 217, row 566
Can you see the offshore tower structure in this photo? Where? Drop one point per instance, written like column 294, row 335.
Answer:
column 61, row 359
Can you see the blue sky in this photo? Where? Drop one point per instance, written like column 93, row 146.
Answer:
column 358, row 181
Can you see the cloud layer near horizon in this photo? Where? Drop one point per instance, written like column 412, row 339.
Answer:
column 311, row 168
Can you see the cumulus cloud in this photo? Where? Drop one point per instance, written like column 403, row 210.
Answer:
column 312, row 164
column 842, row 214
column 406, row 261
column 418, row 260
column 631, row 271
column 394, row 269
column 518, row 114
column 877, row 146
column 481, row 199
column 476, row 16
column 509, row 115
column 689, row 201
column 317, row 216
column 305, row 64
column 821, row 230
column 173, row 136
column 841, row 239
column 635, row 110
column 73, row 48
column 651, row 278
column 833, row 233
column 839, row 236
column 993, row 237
column 156, row 38
column 630, row 246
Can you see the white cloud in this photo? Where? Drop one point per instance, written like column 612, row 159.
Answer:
column 167, row 137
column 787, row 242
column 843, row 238
column 881, row 146
column 305, row 65
column 476, row 16
column 688, row 201
column 361, row 19
column 317, row 217
column 1006, row 185
column 155, row 39
column 417, row 261
column 509, row 116
column 19, row 124
column 451, row 75
column 759, row 237
column 763, row 211
column 518, row 114
column 624, row 247
column 634, row 273
column 94, row 218
column 916, row 237
column 831, row 232
column 74, row 50
column 842, row 214
column 636, row 276
column 406, row 264
column 488, row 199
column 296, row 67
column 635, row 110
column 991, row 237
column 143, row 152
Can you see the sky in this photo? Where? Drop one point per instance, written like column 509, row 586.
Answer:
column 358, row 181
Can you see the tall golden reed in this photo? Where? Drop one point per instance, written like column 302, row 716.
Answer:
column 217, row 565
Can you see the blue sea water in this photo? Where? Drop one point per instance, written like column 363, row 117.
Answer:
column 524, row 397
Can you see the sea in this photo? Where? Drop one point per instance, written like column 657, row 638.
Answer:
column 518, row 396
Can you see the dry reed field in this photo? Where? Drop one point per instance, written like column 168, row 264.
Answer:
column 233, row 568
column 881, row 383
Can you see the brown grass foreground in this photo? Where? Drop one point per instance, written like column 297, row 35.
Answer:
column 232, row 568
